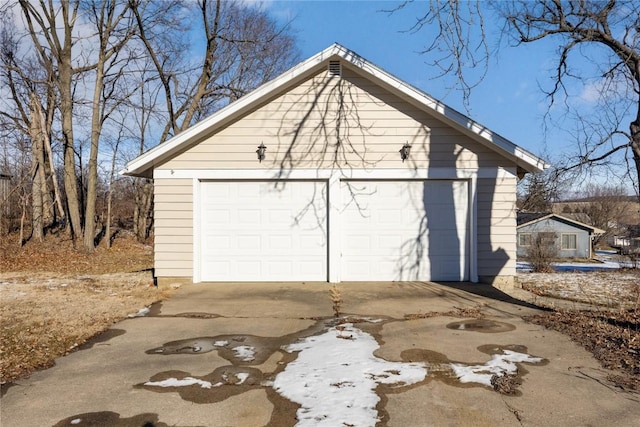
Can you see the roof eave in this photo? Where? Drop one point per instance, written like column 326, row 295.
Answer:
column 525, row 161
column 142, row 165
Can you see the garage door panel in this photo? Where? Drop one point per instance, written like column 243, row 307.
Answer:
column 405, row 230
column 257, row 232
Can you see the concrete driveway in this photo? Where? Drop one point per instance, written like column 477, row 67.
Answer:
column 202, row 336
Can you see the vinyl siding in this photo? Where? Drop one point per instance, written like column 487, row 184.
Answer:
column 301, row 129
column 326, row 122
column 173, row 227
column 583, row 241
column 496, row 221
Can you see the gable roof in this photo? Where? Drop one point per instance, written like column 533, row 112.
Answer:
column 528, row 218
column 525, row 161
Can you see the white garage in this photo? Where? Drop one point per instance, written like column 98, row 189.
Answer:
column 263, row 231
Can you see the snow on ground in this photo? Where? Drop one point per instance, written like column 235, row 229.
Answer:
column 245, row 352
column 498, row 365
column 335, row 376
column 184, row 382
column 141, row 313
column 605, row 261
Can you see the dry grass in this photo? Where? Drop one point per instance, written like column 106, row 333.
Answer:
column 53, row 298
column 610, row 330
column 613, row 337
column 615, row 289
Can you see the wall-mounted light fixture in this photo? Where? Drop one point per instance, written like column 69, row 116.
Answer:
column 405, row 151
column 260, row 151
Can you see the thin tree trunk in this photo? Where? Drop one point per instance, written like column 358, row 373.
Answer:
column 37, row 172
column 45, row 125
column 22, row 219
column 110, row 192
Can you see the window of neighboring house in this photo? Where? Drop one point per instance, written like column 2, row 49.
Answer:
column 524, row 239
column 569, row 241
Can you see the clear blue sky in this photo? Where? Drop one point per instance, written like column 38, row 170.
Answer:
column 509, row 100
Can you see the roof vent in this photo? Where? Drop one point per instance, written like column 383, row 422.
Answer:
column 335, row 69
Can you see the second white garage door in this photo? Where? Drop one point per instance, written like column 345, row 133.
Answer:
column 253, row 231
column 405, row 230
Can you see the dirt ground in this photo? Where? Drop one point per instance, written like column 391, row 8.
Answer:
column 54, row 298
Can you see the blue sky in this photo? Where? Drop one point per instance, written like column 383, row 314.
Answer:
column 509, row 100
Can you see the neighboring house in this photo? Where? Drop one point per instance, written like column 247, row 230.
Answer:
column 335, row 171
column 572, row 239
column 625, row 244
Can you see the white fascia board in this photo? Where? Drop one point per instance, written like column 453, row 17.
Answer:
column 325, row 174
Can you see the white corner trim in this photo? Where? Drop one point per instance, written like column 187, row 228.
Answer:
column 196, row 230
column 473, row 230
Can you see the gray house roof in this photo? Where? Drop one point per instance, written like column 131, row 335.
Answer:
column 526, row 218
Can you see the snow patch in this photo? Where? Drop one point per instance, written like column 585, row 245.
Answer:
column 498, row 365
column 141, row 313
column 185, row 382
column 335, row 377
column 245, row 353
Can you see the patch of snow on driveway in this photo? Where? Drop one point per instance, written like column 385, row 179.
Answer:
column 335, row 376
column 185, row 382
column 245, row 352
column 498, row 365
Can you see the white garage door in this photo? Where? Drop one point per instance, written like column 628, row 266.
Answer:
column 405, row 230
column 253, row 231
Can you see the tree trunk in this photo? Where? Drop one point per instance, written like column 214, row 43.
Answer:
column 45, row 125
column 37, row 172
column 142, row 211
column 92, row 177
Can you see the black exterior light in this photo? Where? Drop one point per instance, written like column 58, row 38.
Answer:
column 404, row 151
column 260, row 151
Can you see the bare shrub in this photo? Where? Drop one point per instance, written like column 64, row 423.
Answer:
column 542, row 252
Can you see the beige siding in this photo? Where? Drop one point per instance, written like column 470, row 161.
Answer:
column 326, row 122
column 496, row 202
column 173, row 228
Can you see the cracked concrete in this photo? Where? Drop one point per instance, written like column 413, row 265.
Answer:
column 100, row 384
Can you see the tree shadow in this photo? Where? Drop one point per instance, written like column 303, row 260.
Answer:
column 337, row 124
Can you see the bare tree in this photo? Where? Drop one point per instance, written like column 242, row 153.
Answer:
column 114, row 30
column 92, row 58
column 460, row 42
column 538, row 191
column 606, row 207
column 243, row 48
column 606, row 33
column 29, row 109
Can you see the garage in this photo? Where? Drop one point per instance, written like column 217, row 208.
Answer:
column 335, row 171
column 260, row 231
column 405, row 230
